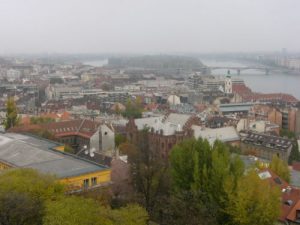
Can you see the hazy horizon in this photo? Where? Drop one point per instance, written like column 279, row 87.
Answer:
column 151, row 27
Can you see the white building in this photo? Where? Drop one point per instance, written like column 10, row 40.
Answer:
column 228, row 85
column 13, row 75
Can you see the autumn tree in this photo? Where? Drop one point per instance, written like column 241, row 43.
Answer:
column 83, row 211
column 254, row 201
column 11, row 113
column 280, row 167
column 149, row 172
column 23, row 193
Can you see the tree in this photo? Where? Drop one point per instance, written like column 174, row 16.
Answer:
column 75, row 211
column 11, row 114
column 23, row 193
column 31, row 182
column 254, row 201
column 133, row 109
column 280, row 167
column 119, row 139
column 149, row 172
column 41, row 120
column 20, row 209
column 295, row 154
column 200, row 175
column 69, row 149
column 82, row 211
column 287, row 133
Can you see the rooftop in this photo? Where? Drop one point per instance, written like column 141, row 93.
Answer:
column 265, row 140
column 31, row 152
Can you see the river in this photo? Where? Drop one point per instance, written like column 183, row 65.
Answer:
column 258, row 81
column 96, row 63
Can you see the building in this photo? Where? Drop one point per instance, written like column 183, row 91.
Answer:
column 228, row 85
column 194, row 81
column 164, row 131
column 224, row 134
column 265, row 146
column 13, row 75
column 291, row 120
column 23, row 151
column 290, row 198
column 237, row 108
column 77, row 134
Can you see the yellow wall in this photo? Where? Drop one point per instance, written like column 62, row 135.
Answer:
column 76, row 183
column 4, row 166
column 60, row 148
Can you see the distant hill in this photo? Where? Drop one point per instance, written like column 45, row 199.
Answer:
column 156, row 62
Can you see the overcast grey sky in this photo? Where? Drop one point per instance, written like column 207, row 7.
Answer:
column 150, row 26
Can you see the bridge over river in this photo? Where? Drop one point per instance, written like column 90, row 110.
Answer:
column 239, row 69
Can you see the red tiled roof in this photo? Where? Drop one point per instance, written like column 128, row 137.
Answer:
column 84, row 128
column 290, row 197
column 241, row 89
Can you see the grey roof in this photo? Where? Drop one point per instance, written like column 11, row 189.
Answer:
column 235, row 107
column 31, row 152
column 269, row 141
column 224, row 134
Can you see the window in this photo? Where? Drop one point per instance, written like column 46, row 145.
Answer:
column 94, row 181
column 297, row 215
column 86, row 183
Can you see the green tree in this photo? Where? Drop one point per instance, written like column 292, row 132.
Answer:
column 287, row 133
column 254, row 201
column 69, row 149
column 295, row 154
column 41, row 120
column 129, row 215
column 280, row 167
column 23, row 193
column 83, row 211
column 20, row 209
column 119, row 139
column 11, row 114
column 200, row 175
column 31, row 182
column 75, row 211
column 133, row 109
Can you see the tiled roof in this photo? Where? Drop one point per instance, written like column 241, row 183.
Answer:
column 265, row 140
column 83, row 127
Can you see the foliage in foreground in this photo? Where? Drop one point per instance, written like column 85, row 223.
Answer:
column 210, row 185
column 30, row 198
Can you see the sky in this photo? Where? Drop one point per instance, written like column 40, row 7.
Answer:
column 148, row 26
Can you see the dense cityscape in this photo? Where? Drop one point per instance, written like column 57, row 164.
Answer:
column 149, row 113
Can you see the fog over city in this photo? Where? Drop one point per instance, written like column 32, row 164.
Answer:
column 144, row 26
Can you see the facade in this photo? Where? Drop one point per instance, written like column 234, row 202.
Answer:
column 291, row 120
column 265, row 146
column 13, row 75
column 22, row 151
column 228, row 85
column 164, row 131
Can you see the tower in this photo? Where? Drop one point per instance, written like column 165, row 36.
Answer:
column 228, row 85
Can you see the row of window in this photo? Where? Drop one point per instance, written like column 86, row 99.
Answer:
column 86, row 182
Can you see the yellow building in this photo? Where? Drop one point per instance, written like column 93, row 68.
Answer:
column 22, row 151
